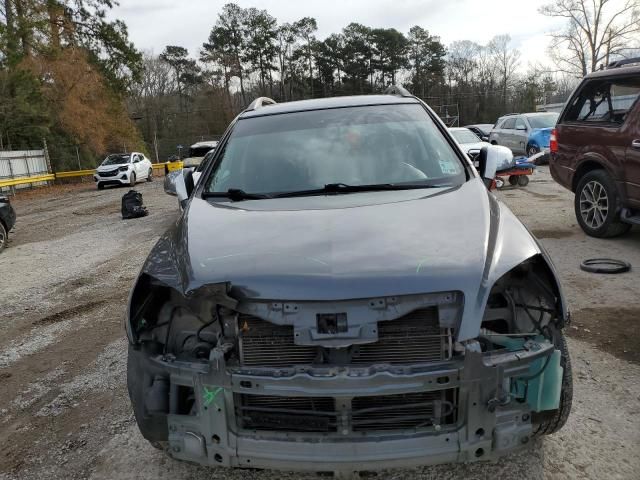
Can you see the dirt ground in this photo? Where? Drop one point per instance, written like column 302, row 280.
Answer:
column 64, row 280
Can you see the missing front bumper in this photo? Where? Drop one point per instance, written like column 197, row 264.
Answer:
column 487, row 420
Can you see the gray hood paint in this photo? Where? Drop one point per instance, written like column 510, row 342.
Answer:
column 351, row 246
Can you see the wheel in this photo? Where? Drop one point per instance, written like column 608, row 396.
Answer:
column 513, row 180
column 493, row 142
column 100, row 186
column 150, row 175
column 132, row 179
column 597, row 205
column 4, row 237
column 546, row 423
column 532, row 150
column 523, row 180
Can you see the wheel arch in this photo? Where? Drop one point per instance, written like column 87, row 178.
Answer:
column 586, row 166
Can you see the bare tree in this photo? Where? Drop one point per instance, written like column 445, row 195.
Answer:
column 506, row 62
column 596, row 31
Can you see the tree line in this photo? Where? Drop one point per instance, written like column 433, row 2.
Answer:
column 249, row 54
column 65, row 72
column 71, row 76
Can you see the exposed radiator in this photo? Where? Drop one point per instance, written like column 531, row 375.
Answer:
column 384, row 413
column 405, row 411
column 414, row 338
column 286, row 414
column 264, row 344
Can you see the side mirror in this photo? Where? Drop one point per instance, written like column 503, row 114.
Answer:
column 170, row 182
column 493, row 159
column 184, row 186
column 485, row 138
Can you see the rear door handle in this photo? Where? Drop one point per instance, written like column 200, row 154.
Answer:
column 635, row 144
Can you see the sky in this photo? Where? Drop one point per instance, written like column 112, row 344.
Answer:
column 153, row 24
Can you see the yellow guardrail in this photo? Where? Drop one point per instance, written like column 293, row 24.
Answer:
column 171, row 166
column 10, row 182
column 75, row 173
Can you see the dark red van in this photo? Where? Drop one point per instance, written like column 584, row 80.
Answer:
column 595, row 149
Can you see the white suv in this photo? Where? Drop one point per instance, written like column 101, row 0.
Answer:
column 123, row 169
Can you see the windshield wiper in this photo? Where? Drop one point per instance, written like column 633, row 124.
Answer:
column 236, row 195
column 345, row 188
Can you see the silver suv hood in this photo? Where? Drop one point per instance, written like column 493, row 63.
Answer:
column 460, row 239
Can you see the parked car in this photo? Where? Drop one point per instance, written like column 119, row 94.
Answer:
column 524, row 133
column 342, row 292
column 7, row 220
column 595, row 149
column 482, row 130
column 123, row 169
column 468, row 140
column 197, row 151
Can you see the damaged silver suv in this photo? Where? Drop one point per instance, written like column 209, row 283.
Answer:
column 343, row 293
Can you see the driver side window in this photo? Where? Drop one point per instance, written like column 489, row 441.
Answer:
column 509, row 124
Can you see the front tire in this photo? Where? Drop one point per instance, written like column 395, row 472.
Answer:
column 597, row 206
column 532, row 150
column 4, row 237
column 546, row 423
column 100, row 186
column 150, row 175
column 132, row 180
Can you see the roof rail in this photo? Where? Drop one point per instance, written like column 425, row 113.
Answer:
column 261, row 102
column 397, row 90
column 623, row 62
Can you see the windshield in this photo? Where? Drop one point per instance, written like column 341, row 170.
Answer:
column 543, row 121
column 465, row 136
column 117, row 159
column 354, row 146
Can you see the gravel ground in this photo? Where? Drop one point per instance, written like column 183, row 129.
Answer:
column 64, row 411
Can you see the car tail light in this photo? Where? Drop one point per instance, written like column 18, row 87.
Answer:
column 553, row 141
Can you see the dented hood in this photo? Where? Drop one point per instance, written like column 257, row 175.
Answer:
column 347, row 246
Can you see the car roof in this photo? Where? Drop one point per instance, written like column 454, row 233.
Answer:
column 479, row 125
column 458, row 129
column 326, row 103
column 208, row 143
column 633, row 69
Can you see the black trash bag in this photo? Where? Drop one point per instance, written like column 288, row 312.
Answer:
column 132, row 205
